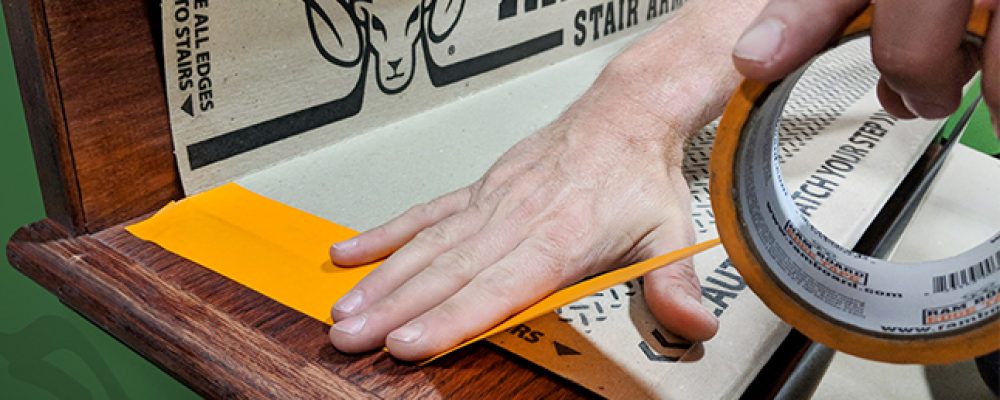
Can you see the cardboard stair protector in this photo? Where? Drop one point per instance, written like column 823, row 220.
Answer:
column 609, row 342
column 433, row 137
column 282, row 253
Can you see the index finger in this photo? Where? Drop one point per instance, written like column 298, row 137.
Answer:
column 919, row 48
column 383, row 240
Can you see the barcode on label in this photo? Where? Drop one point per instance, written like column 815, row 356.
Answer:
column 967, row 276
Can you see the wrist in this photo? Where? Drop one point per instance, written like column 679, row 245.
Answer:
column 656, row 102
column 610, row 116
column 677, row 78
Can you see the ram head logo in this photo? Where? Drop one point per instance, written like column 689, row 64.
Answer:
column 346, row 32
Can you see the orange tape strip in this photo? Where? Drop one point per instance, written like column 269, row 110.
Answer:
column 587, row 288
column 274, row 249
column 282, row 253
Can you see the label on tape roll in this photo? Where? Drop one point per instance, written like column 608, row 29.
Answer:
column 871, row 295
column 927, row 312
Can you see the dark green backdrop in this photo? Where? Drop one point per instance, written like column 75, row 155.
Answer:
column 47, row 350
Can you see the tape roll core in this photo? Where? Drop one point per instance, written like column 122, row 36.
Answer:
column 863, row 306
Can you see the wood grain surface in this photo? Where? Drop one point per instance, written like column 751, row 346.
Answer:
column 225, row 340
column 28, row 32
column 93, row 89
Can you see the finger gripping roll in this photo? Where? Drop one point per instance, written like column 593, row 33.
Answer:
column 872, row 308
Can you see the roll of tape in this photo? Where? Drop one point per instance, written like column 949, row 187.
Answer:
column 872, row 308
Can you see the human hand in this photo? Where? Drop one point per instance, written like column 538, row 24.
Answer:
column 917, row 45
column 596, row 189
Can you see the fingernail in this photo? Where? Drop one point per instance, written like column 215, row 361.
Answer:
column 350, row 302
column 408, row 334
column 346, row 245
column 762, row 42
column 351, row 326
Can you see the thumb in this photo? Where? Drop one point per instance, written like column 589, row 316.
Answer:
column 673, row 292
column 788, row 33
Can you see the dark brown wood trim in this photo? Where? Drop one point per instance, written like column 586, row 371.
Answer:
column 108, row 67
column 227, row 341
column 91, row 80
column 169, row 325
column 29, row 38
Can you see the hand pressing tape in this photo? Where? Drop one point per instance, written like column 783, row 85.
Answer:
column 283, row 253
column 932, row 312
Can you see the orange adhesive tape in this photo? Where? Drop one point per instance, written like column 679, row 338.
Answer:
column 283, row 253
column 870, row 308
column 274, row 249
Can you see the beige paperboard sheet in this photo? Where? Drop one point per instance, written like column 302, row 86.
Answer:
column 251, row 83
column 299, row 100
column 958, row 212
column 620, row 351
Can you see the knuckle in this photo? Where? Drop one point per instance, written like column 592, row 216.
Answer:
column 435, row 236
column 559, row 237
column 494, row 197
column 456, row 262
column 903, row 65
column 475, row 187
column 499, row 285
column 549, row 261
column 443, row 277
column 449, row 201
column 424, row 212
column 492, row 180
column 528, row 208
column 483, row 206
column 462, row 196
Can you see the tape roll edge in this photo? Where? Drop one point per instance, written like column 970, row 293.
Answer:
column 935, row 350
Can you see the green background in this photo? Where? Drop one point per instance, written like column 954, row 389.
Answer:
column 979, row 134
column 47, row 350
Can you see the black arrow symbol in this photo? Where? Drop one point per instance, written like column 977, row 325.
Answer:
column 653, row 356
column 188, row 107
column 564, row 350
column 663, row 342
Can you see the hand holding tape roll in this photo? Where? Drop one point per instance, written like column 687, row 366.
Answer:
column 860, row 305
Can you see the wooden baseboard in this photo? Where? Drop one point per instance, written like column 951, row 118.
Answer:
column 224, row 340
